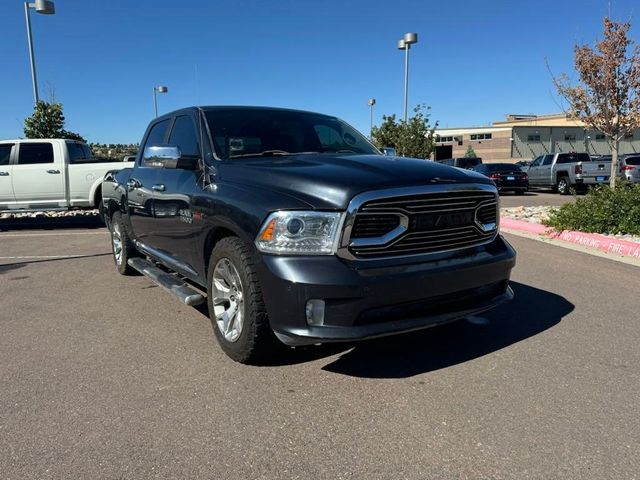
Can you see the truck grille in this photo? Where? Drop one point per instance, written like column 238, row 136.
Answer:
column 432, row 222
column 374, row 225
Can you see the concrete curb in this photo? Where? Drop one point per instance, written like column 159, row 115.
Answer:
column 595, row 241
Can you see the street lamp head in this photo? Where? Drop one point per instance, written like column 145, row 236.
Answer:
column 162, row 89
column 410, row 38
column 45, row 7
column 371, row 102
column 401, row 45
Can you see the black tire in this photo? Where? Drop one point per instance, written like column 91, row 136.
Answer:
column 520, row 192
column 563, row 186
column 126, row 250
column 256, row 343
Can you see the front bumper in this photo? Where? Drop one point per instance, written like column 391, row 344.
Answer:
column 505, row 185
column 364, row 301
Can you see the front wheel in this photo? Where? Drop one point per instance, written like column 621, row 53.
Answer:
column 563, row 186
column 236, row 306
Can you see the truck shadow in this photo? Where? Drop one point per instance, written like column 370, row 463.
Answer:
column 531, row 312
column 51, row 223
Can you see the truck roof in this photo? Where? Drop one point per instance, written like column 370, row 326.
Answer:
column 27, row 140
column 209, row 108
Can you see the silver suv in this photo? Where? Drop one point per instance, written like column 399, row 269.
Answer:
column 629, row 167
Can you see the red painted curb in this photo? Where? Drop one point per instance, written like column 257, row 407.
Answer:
column 592, row 240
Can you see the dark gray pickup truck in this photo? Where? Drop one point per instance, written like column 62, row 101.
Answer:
column 296, row 230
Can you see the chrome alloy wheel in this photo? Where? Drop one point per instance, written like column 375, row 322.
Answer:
column 116, row 241
column 228, row 299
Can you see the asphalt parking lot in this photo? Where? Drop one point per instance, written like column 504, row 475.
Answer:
column 535, row 198
column 104, row 376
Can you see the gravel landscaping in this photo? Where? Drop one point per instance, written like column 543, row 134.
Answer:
column 49, row 214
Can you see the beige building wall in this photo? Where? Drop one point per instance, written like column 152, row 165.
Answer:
column 523, row 137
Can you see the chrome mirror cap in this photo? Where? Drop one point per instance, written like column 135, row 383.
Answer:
column 161, row 156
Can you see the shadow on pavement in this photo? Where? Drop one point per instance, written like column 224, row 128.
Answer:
column 531, row 312
column 51, row 223
column 5, row 267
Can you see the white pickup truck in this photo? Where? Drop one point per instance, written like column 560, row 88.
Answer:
column 50, row 174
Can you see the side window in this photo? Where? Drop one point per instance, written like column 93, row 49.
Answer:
column 329, row 137
column 78, row 152
column 5, row 153
column 157, row 133
column 35, row 153
column 547, row 160
column 184, row 136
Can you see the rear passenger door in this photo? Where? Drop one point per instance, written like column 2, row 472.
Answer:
column 534, row 171
column 545, row 171
column 6, row 189
column 37, row 180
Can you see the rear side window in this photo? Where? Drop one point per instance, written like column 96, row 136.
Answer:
column 629, row 161
column 35, row 153
column 184, row 136
column 5, row 153
column 573, row 157
column 78, row 152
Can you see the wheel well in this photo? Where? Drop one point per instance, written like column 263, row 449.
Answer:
column 97, row 197
column 214, row 236
column 560, row 175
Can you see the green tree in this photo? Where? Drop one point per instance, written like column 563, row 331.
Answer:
column 607, row 95
column 411, row 139
column 47, row 121
column 471, row 153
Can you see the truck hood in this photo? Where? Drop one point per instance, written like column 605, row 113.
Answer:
column 331, row 181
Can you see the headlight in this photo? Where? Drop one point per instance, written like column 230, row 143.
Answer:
column 300, row 233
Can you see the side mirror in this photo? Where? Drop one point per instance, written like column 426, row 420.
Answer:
column 168, row 156
column 389, row 151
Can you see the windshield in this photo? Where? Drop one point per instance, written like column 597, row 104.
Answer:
column 246, row 132
column 468, row 162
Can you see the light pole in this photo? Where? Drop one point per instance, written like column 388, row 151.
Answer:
column 159, row 89
column 45, row 7
column 371, row 103
column 405, row 44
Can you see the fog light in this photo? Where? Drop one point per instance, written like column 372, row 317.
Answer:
column 315, row 312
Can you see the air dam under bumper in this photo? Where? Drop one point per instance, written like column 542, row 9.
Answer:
column 370, row 301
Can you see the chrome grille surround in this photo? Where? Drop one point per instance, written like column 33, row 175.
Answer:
column 482, row 230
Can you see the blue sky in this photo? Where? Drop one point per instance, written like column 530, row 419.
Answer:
column 475, row 61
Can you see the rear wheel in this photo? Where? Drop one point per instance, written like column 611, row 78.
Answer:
column 236, row 306
column 121, row 245
column 563, row 186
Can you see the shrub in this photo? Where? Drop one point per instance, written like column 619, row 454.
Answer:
column 602, row 210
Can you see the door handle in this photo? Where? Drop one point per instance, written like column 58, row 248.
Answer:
column 4, row 174
column 159, row 187
column 133, row 183
column 54, row 172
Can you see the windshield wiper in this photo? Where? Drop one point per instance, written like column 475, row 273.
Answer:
column 271, row 153
column 266, row 153
column 332, row 150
